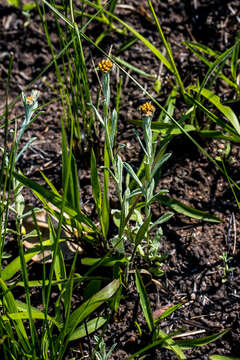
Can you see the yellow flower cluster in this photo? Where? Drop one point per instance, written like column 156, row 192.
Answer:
column 29, row 100
column 147, row 109
column 105, row 65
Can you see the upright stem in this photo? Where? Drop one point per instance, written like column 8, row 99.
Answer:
column 148, row 165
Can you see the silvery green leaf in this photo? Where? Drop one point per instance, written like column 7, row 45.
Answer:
column 106, row 88
column 113, row 127
column 140, row 141
column 134, row 175
column 134, row 193
column 19, row 204
column 165, row 217
column 163, row 159
column 150, row 190
column 32, row 234
column 97, row 114
column 111, row 173
column 155, row 196
column 138, row 216
column 25, row 148
column 120, row 172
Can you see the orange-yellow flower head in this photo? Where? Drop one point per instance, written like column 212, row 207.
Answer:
column 147, row 109
column 105, row 65
column 29, row 100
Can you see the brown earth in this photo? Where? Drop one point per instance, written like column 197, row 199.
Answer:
column 193, row 268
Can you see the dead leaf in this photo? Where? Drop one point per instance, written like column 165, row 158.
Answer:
column 68, row 247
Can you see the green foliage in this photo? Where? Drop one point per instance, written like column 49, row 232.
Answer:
column 102, row 354
column 226, row 268
column 129, row 223
column 24, row 7
column 66, row 325
column 14, row 2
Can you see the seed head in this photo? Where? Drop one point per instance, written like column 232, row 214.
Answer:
column 105, row 65
column 147, row 109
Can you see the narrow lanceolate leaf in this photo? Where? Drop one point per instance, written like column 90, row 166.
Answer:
column 96, row 187
column 151, row 47
column 105, row 198
column 157, row 166
column 98, row 115
column 11, row 307
column 165, row 341
column 91, row 305
column 107, row 261
column 23, row 315
column 186, row 210
column 195, row 48
column 55, row 200
column 234, row 62
column 59, row 265
column 170, row 344
column 113, row 128
column 163, row 128
column 225, row 110
column 133, row 68
column 144, row 301
column 221, row 122
column 91, row 326
column 188, row 344
column 166, row 313
column 142, row 231
column 217, row 134
column 133, row 174
column 164, row 218
column 11, row 269
column 120, row 172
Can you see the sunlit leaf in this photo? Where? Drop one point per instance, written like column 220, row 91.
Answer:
column 225, row 110
column 91, row 305
column 188, row 344
column 186, row 209
column 144, row 301
column 91, row 326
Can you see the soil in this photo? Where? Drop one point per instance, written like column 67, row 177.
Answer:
column 193, row 269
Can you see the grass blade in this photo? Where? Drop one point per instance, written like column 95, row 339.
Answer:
column 225, row 110
column 91, row 305
column 55, row 200
column 144, row 301
column 96, row 187
column 188, row 344
column 92, row 325
column 11, row 307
